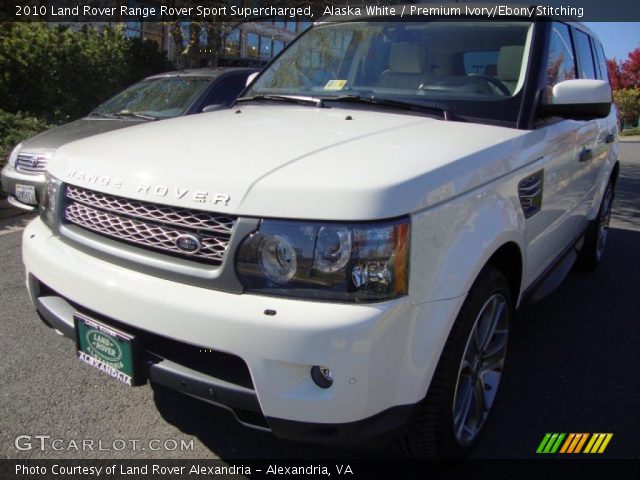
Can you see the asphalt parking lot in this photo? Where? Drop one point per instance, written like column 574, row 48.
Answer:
column 572, row 367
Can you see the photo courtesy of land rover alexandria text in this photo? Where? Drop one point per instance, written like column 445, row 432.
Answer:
column 350, row 274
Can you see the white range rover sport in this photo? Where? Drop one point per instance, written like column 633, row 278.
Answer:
column 338, row 257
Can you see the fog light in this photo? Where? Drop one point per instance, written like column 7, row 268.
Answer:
column 322, row 376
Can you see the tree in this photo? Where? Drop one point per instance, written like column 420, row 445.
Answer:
column 56, row 73
column 200, row 43
column 614, row 73
column 628, row 102
column 626, row 73
column 15, row 127
column 145, row 58
column 625, row 82
column 630, row 70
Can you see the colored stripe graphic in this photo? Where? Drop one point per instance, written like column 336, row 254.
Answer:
column 581, row 442
column 543, row 443
column 567, row 442
column 574, row 443
column 598, row 442
column 550, row 443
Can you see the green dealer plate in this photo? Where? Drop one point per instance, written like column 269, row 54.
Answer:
column 106, row 349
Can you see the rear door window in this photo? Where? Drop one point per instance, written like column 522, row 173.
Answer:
column 585, row 56
column 602, row 61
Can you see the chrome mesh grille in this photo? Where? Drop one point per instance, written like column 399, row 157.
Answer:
column 31, row 163
column 149, row 225
column 180, row 217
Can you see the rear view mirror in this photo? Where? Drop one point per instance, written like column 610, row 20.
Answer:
column 213, row 108
column 250, row 78
column 579, row 100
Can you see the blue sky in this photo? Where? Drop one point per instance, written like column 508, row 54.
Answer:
column 618, row 38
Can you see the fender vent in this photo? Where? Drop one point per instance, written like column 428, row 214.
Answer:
column 530, row 193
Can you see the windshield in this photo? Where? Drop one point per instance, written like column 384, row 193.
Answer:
column 157, row 97
column 459, row 66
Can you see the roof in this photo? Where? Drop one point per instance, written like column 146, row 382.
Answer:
column 204, row 72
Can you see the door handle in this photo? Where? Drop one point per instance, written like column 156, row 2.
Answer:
column 609, row 138
column 585, row 155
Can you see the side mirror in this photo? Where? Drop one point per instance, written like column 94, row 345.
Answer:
column 579, row 100
column 213, row 108
column 250, row 78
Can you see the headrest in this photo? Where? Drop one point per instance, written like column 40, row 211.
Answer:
column 407, row 58
column 509, row 62
column 491, row 70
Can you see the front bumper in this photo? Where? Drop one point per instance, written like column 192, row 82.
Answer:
column 10, row 178
column 382, row 355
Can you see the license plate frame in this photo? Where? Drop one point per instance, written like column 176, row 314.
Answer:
column 26, row 194
column 107, row 349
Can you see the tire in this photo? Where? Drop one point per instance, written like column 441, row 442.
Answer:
column 596, row 238
column 438, row 429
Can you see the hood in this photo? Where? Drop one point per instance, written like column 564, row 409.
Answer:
column 53, row 138
column 293, row 161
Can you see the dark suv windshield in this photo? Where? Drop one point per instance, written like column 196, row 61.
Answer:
column 472, row 68
column 157, row 97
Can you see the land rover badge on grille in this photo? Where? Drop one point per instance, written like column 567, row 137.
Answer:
column 189, row 243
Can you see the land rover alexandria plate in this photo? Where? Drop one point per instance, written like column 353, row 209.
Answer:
column 106, row 349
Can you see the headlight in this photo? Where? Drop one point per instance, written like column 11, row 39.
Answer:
column 13, row 156
column 361, row 262
column 48, row 204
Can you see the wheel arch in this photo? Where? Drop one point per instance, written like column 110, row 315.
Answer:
column 509, row 260
column 615, row 173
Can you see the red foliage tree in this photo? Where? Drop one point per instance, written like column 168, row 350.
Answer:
column 614, row 74
column 630, row 71
column 625, row 74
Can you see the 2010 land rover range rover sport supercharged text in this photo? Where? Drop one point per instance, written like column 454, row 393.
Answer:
column 338, row 257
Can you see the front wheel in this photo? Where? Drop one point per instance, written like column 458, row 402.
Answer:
column 463, row 390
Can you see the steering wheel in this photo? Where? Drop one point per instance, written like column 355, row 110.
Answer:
column 502, row 88
column 476, row 83
column 306, row 81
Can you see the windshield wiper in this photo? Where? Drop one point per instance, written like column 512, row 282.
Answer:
column 124, row 114
column 102, row 115
column 385, row 102
column 141, row 115
column 297, row 99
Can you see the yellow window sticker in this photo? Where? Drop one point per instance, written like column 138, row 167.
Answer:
column 335, row 85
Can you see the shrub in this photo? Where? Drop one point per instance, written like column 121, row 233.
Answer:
column 144, row 58
column 628, row 102
column 15, row 127
column 60, row 74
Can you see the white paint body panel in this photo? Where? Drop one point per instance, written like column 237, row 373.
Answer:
column 580, row 91
column 300, row 162
column 389, row 348
column 457, row 181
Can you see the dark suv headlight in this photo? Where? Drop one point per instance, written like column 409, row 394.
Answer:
column 13, row 156
column 360, row 262
column 48, row 203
